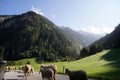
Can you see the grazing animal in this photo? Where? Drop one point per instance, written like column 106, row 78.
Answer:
column 77, row 75
column 32, row 70
column 47, row 74
column 20, row 68
column 27, row 70
column 10, row 68
column 53, row 67
column 14, row 68
column 7, row 68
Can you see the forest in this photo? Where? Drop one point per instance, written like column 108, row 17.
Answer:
column 31, row 35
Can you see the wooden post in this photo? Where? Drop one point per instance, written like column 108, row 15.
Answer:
column 63, row 69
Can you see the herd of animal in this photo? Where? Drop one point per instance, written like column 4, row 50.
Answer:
column 26, row 69
column 48, row 72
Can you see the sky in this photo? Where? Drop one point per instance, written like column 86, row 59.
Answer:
column 96, row 16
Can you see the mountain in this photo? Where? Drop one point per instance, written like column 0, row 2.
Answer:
column 89, row 38
column 111, row 40
column 4, row 17
column 32, row 35
column 74, row 36
column 82, row 38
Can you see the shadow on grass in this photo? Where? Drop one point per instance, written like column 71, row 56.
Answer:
column 113, row 56
column 38, row 60
column 110, row 75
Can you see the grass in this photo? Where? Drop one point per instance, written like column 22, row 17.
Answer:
column 104, row 65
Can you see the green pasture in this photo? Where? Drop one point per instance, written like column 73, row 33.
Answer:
column 104, row 65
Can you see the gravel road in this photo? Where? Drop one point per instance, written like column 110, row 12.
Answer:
column 16, row 75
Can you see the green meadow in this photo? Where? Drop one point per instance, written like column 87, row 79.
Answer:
column 104, row 65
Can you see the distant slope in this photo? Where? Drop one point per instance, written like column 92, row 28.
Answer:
column 89, row 38
column 82, row 38
column 74, row 36
column 32, row 35
column 111, row 40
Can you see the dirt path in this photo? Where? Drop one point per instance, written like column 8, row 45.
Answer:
column 35, row 76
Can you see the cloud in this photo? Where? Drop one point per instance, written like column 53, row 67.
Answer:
column 37, row 10
column 53, row 16
column 98, row 30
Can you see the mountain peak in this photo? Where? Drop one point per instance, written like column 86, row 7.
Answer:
column 30, row 13
column 32, row 35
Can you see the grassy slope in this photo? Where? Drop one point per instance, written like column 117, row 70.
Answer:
column 103, row 65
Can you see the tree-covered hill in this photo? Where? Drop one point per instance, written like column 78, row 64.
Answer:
column 32, row 35
column 4, row 17
column 82, row 38
column 89, row 38
column 75, row 36
column 111, row 40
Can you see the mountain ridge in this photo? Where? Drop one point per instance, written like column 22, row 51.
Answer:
column 32, row 35
column 81, row 37
column 111, row 40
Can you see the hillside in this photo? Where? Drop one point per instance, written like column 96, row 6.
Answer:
column 74, row 36
column 111, row 40
column 32, row 35
column 82, row 38
column 103, row 65
column 89, row 38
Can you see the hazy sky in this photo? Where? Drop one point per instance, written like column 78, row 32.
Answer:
column 97, row 16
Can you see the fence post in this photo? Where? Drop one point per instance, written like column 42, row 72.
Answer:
column 63, row 69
